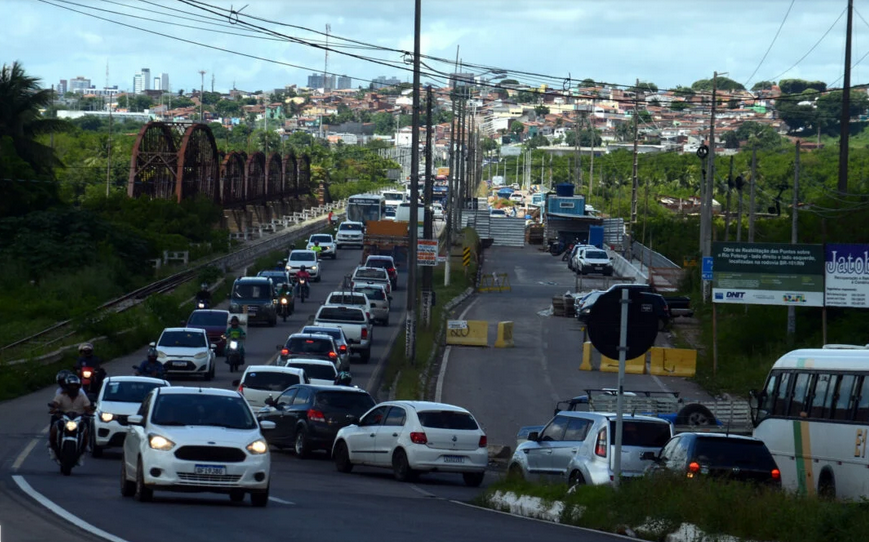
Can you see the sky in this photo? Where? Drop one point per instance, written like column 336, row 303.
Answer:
column 667, row 42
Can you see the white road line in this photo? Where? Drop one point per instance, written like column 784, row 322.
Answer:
column 281, row 501
column 24, row 453
column 659, row 383
column 439, row 389
column 421, row 491
column 68, row 516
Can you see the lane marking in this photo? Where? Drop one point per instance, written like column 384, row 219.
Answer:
column 439, row 389
column 281, row 501
column 422, row 491
column 63, row 513
column 659, row 383
column 27, row 449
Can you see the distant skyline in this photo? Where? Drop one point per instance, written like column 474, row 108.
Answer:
column 668, row 42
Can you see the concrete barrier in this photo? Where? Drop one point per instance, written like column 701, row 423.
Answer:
column 468, row 332
column 505, row 335
column 636, row 366
column 586, row 357
column 624, row 268
column 673, row 362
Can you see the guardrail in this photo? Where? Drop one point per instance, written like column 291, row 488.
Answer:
column 649, row 257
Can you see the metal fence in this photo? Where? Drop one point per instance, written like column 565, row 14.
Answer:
column 649, row 257
column 507, row 231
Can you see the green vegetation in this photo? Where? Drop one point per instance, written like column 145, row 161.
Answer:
column 660, row 504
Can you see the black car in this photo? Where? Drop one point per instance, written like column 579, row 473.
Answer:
column 660, row 306
column 722, row 456
column 309, row 346
column 308, row 417
column 385, row 262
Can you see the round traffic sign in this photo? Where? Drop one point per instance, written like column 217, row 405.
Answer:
column 604, row 323
column 702, row 151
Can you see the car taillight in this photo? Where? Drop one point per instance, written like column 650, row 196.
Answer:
column 418, row 438
column 364, row 333
column 333, row 355
column 241, row 389
column 600, row 446
column 693, row 468
column 316, row 416
column 483, row 441
column 368, row 314
column 391, row 270
column 343, row 348
column 776, row 474
column 285, row 352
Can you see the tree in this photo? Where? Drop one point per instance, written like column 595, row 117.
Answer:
column 722, row 83
column 679, row 106
column 541, row 110
column 181, row 92
column 586, row 83
column 625, row 131
column 731, row 140
column 732, row 103
column 644, row 86
column 536, row 141
column 796, row 86
column 509, row 82
column 762, row 85
column 210, row 98
column 517, row 127
column 525, row 97
column 655, row 102
column 685, row 92
column 140, row 102
column 226, row 108
column 829, row 109
column 384, row 123
column 488, row 145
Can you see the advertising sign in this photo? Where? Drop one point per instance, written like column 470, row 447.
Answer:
column 427, row 252
column 768, row 274
column 847, row 275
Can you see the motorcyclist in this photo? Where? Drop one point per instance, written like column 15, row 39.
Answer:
column 236, row 333
column 61, row 388
column 343, row 378
column 70, row 401
column 317, row 248
column 88, row 359
column 303, row 274
column 151, row 367
column 204, row 294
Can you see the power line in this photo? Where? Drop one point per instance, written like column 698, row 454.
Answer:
column 776, row 78
column 768, row 49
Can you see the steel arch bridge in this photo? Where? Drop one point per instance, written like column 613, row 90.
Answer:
column 180, row 161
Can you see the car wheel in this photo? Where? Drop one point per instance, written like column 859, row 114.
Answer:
column 301, row 446
column 514, row 472
column 386, row 320
column 342, row 458
column 236, row 495
column 473, row 479
column 576, row 479
column 260, row 499
column 142, row 493
column 695, row 415
column 128, row 488
column 401, row 467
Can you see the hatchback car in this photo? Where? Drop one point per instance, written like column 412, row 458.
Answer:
column 384, row 262
column 327, row 243
column 308, row 417
column 498, row 213
column 259, row 382
column 338, row 337
column 733, row 457
column 309, row 345
column 119, row 398
column 186, row 351
column 214, row 322
column 379, row 301
column 308, row 258
column 320, row 372
column 370, row 275
column 196, row 439
column 256, row 296
column 592, row 260
column 350, row 233
column 412, row 437
column 577, row 448
column 437, row 211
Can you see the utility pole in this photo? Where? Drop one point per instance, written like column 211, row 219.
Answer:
column 201, row 92
column 740, row 184
column 326, row 61
column 846, row 106
column 577, row 149
column 792, row 315
column 591, row 158
column 109, row 143
column 710, row 186
column 427, row 220
column 451, row 190
column 636, row 182
column 410, row 322
column 460, row 199
column 727, row 209
column 751, row 195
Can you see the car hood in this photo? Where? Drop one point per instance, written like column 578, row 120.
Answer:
column 118, row 408
column 199, row 435
column 176, row 351
column 210, row 329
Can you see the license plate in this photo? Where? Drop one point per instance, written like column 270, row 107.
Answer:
column 454, row 459
column 210, row 470
column 179, row 364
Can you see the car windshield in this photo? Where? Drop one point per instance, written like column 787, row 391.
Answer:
column 350, row 227
column 596, row 255
column 270, row 380
column 208, row 319
column 202, row 409
column 251, row 291
column 303, row 257
column 373, row 293
column 335, row 333
column 346, row 299
column 278, row 277
column 344, row 401
column 183, row 339
column 128, row 392
column 321, row 238
column 643, row 433
column 340, row 314
column 382, row 263
column 300, row 345
column 447, row 419
column 725, row 452
column 370, row 274
column 325, row 371
column 390, row 211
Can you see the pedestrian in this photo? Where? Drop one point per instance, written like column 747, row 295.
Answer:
column 331, row 220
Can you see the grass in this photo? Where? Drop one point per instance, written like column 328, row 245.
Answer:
column 661, row 503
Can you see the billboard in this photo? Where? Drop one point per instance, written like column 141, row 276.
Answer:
column 427, row 252
column 847, row 275
column 768, row 274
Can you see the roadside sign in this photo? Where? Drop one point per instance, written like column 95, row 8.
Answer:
column 466, row 256
column 605, row 323
column 847, row 276
column 427, row 252
column 768, row 274
column 457, row 324
column 706, row 270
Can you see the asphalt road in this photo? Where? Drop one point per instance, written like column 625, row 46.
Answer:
column 309, row 499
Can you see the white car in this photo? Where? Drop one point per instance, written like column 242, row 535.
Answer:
column 320, row 372
column 308, row 258
column 259, row 382
column 371, row 275
column 497, row 213
column 349, row 233
column 379, row 299
column 119, row 398
column 518, row 197
column 186, row 351
column 411, row 437
column 327, row 243
column 196, row 439
column 437, row 211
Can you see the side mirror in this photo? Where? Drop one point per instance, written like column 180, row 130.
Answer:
column 753, row 399
column 266, row 425
column 183, row 323
column 649, row 456
column 270, row 401
column 236, row 383
column 213, row 346
column 135, row 420
column 533, row 436
column 352, row 419
column 152, row 344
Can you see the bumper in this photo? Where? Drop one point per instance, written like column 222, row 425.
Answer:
column 380, row 314
column 174, row 474
column 427, row 459
column 322, row 436
column 349, row 240
column 109, row 435
column 179, row 367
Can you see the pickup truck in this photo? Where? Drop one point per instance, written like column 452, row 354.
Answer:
column 354, row 321
column 678, row 305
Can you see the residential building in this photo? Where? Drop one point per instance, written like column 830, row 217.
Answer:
column 318, row 80
column 146, row 78
column 157, row 83
column 62, row 87
column 164, row 82
column 344, row 82
column 79, row 84
column 383, row 81
column 138, row 85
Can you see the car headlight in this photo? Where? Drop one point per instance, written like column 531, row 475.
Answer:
column 234, row 307
column 258, row 447
column 161, row 354
column 106, row 417
column 313, row 268
column 201, row 355
column 71, row 425
column 160, row 443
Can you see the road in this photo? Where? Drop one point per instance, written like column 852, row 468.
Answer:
column 309, row 499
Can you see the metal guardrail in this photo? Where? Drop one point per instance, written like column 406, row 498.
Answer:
column 642, row 253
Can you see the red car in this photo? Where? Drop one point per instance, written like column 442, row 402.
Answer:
column 214, row 322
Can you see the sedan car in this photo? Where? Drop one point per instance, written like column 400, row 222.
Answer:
column 350, row 233
column 320, row 372
column 384, row 262
column 327, row 243
column 437, row 211
column 339, row 339
column 309, row 345
column 308, row 258
column 308, row 417
column 214, row 322
column 260, row 382
column 186, row 351
column 119, row 398
column 412, row 437
column 371, row 275
column 196, row 439
column 379, row 300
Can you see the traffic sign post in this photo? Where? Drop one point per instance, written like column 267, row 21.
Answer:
column 706, row 270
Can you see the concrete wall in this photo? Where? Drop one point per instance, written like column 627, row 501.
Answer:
column 624, row 268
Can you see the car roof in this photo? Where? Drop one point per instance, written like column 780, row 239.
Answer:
column 300, row 250
column 721, row 436
column 252, row 279
column 180, row 390
column 365, row 268
column 314, row 328
column 347, row 307
column 147, row 379
column 379, row 257
column 320, row 387
column 311, row 361
column 210, row 311
column 425, row 405
column 346, row 292
column 351, row 222
column 272, row 369
column 308, row 335
column 611, row 416
column 190, row 329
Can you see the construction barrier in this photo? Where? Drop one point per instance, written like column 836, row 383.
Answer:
column 468, row 332
column 636, row 366
column 505, row 335
column 673, row 362
column 496, row 282
column 586, row 357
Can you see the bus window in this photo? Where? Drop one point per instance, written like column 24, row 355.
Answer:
column 798, row 397
column 768, row 398
column 844, row 398
column 823, row 397
column 781, row 398
column 863, row 404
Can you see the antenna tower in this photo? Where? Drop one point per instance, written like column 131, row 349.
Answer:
column 326, row 65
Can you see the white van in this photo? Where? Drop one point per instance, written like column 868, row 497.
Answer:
column 402, row 214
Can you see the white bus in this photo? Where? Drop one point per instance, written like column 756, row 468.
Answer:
column 394, row 197
column 813, row 415
column 365, row 208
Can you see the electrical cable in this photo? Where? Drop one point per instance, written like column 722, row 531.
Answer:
column 777, row 77
column 768, row 49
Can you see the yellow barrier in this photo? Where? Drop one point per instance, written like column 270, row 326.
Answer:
column 636, row 366
column 505, row 335
column 468, row 332
column 495, row 282
column 586, row 357
column 673, row 362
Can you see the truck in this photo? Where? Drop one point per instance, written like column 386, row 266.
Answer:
column 386, row 237
column 355, row 323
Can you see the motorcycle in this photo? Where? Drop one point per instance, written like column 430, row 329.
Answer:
column 284, row 307
column 71, row 440
column 568, row 251
column 90, row 381
column 203, row 304
column 137, row 372
column 233, row 354
column 304, row 290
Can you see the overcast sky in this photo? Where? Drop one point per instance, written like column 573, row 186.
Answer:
column 668, row 42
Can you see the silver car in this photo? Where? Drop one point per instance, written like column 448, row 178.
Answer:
column 379, row 300
column 578, row 447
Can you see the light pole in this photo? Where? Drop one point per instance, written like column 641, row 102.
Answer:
column 201, row 91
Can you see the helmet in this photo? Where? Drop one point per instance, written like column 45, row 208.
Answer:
column 204, row 285
column 343, row 379
column 85, row 347
column 152, row 353
column 61, row 377
column 302, row 268
column 73, row 383
column 233, row 320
